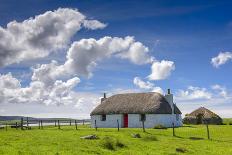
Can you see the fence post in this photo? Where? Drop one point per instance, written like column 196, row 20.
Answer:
column 16, row 125
column 207, row 130
column 22, row 123
column 70, row 123
column 76, row 124
column 27, row 124
column 83, row 123
column 118, row 124
column 173, row 130
column 95, row 125
column 55, row 123
column 143, row 125
column 41, row 124
column 58, row 124
column 6, row 126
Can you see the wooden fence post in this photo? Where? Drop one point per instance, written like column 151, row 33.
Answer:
column 55, row 123
column 207, row 130
column 76, row 124
column 16, row 125
column 83, row 123
column 95, row 125
column 173, row 130
column 22, row 123
column 143, row 125
column 58, row 124
column 118, row 124
column 27, row 124
column 70, row 123
column 41, row 124
column 6, row 126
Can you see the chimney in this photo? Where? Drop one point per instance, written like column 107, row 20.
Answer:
column 169, row 91
column 169, row 98
column 104, row 97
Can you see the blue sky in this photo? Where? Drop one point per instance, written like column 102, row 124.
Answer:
column 187, row 33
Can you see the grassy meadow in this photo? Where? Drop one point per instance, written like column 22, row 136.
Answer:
column 51, row 140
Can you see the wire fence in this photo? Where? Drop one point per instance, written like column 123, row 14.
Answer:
column 28, row 124
column 194, row 132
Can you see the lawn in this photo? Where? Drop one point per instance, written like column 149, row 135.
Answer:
column 51, row 140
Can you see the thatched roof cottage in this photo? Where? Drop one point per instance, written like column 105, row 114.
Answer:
column 202, row 116
column 133, row 109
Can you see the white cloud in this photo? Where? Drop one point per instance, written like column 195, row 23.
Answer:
column 221, row 90
column 84, row 55
column 161, row 70
column 193, row 93
column 9, row 82
column 93, row 24
column 58, row 92
column 221, row 59
column 137, row 53
column 141, row 84
column 39, row 36
column 146, row 85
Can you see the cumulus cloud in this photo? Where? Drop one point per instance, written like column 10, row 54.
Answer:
column 193, row 93
column 142, row 84
column 39, row 36
column 161, row 70
column 146, row 85
column 58, row 92
column 221, row 59
column 84, row 55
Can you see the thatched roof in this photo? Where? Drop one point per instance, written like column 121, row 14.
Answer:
column 206, row 113
column 135, row 103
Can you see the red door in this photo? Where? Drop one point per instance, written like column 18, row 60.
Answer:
column 125, row 120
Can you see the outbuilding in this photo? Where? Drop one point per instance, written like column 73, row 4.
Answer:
column 134, row 109
column 202, row 115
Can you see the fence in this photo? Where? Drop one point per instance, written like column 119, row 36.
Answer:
column 193, row 132
column 27, row 124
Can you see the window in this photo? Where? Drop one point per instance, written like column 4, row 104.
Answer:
column 103, row 117
column 142, row 117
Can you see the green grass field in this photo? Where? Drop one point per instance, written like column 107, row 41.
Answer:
column 50, row 140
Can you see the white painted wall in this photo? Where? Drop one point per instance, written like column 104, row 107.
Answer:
column 134, row 120
column 110, row 122
column 153, row 120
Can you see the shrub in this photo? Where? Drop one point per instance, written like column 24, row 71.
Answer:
column 159, row 126
column 230, row 123
column 119, row 144
column 112, row 143
column 108, row 143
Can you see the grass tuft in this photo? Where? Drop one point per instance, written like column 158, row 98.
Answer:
column 181, row 150
column 120, row 144
column 150, row 138
column 159, row 126
column 108, row 143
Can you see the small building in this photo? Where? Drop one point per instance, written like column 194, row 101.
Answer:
column 133, row 109
column 202, row 115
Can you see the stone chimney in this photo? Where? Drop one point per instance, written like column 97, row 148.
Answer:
column 169, row 98
column 104, row 97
